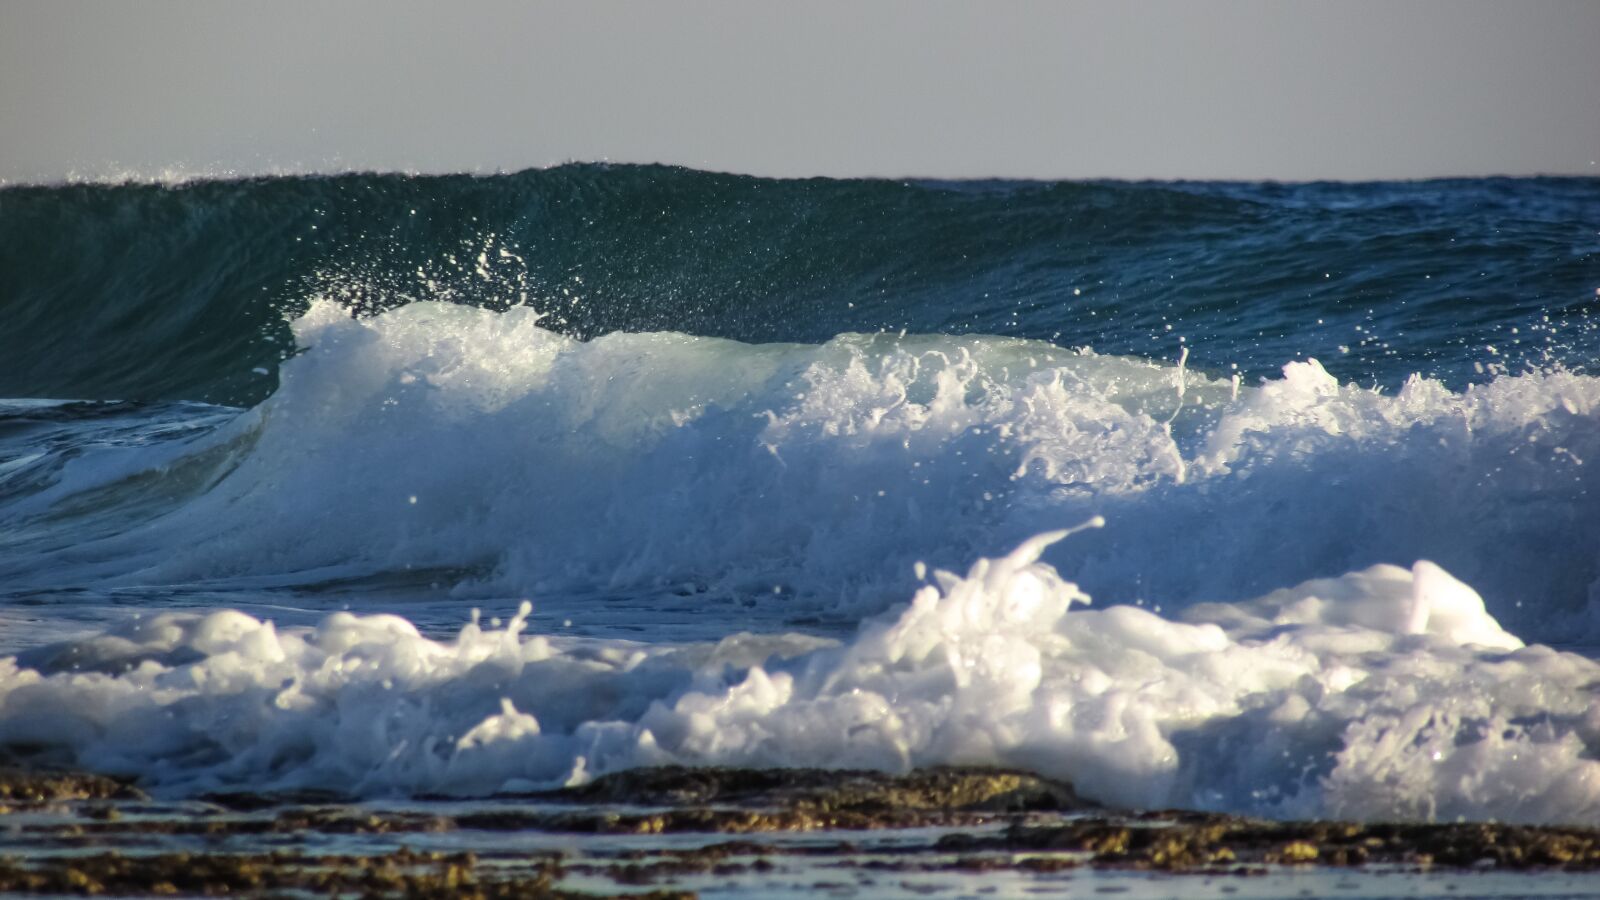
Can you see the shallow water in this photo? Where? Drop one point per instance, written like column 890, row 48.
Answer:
column 968, row 833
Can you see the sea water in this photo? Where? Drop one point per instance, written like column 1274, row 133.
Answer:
column 1273, row 499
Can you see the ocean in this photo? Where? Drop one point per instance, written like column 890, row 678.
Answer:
column 1255, row 498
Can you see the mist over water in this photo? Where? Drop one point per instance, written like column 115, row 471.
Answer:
column 782, row 468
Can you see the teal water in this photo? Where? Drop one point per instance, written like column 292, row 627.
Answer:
column 146, row 292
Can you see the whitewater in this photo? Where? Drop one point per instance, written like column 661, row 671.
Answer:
column 470, row 542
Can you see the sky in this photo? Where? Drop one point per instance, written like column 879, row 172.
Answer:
column 1236, row 89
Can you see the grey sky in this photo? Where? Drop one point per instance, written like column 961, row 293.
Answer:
column 1289, row 89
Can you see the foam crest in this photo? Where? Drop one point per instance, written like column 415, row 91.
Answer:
column 438, row 436
column 458, row 440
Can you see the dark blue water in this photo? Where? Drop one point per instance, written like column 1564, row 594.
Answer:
column 146, row 292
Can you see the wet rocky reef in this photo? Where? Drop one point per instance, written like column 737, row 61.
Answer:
column 671, row 831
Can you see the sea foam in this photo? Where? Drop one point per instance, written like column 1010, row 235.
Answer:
column 812, row 477
column 1383, row 693
column 1229, row 665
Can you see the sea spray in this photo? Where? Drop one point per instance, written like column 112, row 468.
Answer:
column 520, row 461
column 181, row 291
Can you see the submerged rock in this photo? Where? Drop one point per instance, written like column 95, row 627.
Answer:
column 950, row 789
column 70, row 836
column 31, row 787
column 1188, row 842
column 400, row 874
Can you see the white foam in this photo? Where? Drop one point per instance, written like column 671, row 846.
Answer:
column 1425, row 600
column 787, row 479
column 1342, row 703
column 445, row 437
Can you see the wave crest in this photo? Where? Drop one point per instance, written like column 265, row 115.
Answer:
column 443, row 437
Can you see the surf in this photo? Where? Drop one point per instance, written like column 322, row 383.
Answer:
column 811, row 477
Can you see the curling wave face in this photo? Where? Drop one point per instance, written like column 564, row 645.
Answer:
column 179, row 292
